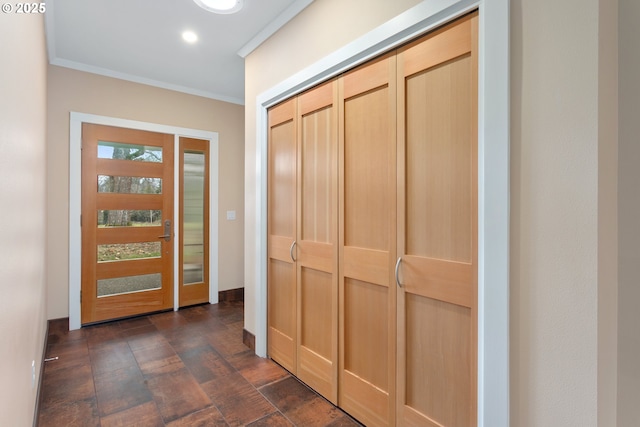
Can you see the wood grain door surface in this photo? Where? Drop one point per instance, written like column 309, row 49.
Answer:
column 437, row 228
column 282, row 335
column 367, row 241
column 317, row 235
column 127, row 222
column 406, row 256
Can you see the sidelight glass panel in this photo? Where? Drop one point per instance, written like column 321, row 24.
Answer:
column 123, row 285
column 129, row 185
column 126, row 218
column 129, row 251
column 135, row 152
column 193, row 225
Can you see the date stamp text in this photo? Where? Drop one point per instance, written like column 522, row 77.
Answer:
column 23, row 8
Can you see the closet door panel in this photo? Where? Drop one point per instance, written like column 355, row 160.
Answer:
column 317, row 270
column 438, row 162
column 281, row 294
column 437, row 228
column 367, row 242
column 282, row 316
column 315, row 298
column 316, row 349
column 317, row 164
column 366, row 171
column 366, row 332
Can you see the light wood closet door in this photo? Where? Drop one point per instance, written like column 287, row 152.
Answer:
column 317, row 248
column 367, row 243
column 437, row 228
column 281, row 267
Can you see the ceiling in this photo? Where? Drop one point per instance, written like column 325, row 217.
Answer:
column 141, row 41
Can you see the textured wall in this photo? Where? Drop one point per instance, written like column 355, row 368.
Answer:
column 554, row 213
column 22, row 212
column 563, row 246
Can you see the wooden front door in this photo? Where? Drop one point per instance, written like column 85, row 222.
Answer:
column 127, row 222
column 437, row 228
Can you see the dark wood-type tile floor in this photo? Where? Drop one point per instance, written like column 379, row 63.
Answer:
column 185, row 368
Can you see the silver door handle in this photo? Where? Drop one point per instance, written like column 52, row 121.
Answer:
column 167, row 231
column 293, row 245
column 398, row 272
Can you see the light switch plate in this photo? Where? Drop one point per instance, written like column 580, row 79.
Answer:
column 231, row 215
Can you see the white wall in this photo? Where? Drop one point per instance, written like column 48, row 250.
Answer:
column 629, row 216
column 563, row 288
column 554, row 213
column 22, row 213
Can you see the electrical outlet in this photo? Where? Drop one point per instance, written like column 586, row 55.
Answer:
column 33, row 374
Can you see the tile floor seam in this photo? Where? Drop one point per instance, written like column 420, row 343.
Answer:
column 289, row 374
column 93, row 379
column 155, row 404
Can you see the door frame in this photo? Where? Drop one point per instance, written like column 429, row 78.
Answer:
column 75, row 208
column 493, row 175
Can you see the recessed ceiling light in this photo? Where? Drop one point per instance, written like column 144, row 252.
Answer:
column 190, row 37
column 220, row 6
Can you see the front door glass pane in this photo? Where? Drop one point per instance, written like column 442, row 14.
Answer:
column 129, row 185
column 126, row 218
column 124, row 285
column 129, row 251
column 135, row 152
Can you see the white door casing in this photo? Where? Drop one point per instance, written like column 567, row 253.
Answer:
column 75, row 187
